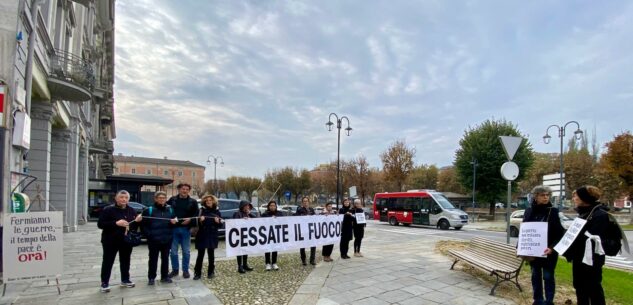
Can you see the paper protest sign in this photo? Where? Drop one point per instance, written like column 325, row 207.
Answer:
column 260, row 235
column 571, row 235
column 32, row 246
column 532, row 239
column 360, row 218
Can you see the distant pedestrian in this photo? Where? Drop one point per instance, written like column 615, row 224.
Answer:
column 186, row 209
column 327, row 249
column 207, row 238
column 243, row 213
column 359, row 228
column 347, row 227
column 541, row 210
column 586, row 263
column 158, row 223
column 305, row 210
column 271, row 257
column 114, row 221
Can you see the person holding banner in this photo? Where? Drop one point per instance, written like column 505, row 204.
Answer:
column 303, row 210
column 327, row 249
column 207, row 237
column 359, row 228
column 157, row 225
column 186, row 210
column 245, row 213
column 271, row 257
column 114, row 222
column 541, row 210
column 586, row 252
column 347, row 228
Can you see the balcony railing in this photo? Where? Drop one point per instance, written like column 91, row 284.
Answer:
column 71, row 77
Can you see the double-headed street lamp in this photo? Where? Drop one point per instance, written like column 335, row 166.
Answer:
column 561, row 135
column 215, row 164
column 348, row 131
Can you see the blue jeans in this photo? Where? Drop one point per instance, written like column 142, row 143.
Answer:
column 543, row 274
column 182, row 237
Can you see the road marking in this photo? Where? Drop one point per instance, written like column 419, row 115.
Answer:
column 411, row 232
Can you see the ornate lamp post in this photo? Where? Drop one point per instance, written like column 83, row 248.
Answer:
column 215, row 164
column 561, row 135
column 348, row 131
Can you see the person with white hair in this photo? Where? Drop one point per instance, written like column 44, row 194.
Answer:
column 359, row 228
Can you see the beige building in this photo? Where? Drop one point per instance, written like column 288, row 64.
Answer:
column 177, row 170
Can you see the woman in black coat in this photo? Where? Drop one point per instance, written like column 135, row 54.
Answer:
column 347, row 228
column 359, row 228
column 243, row 213
column 271, row 257
column 543, row 268
column 207, row 237
column 587, row 276
column 157, row 227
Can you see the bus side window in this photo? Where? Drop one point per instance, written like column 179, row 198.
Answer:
column 417, row 204
column 391, row 203
column 382, row 204
column 400, row 204
column 436, row 208
column 426, row 204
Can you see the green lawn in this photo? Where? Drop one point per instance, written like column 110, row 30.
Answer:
column 616, row 283
column 627, row 227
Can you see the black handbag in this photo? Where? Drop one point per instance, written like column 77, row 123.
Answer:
column 132, row 238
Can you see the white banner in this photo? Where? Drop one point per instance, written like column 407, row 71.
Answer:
column 267, row 234
column 532, row 239
column 32, row 246
column 360, row 218
column 571, row 235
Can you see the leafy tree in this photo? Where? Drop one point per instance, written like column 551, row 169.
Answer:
column 544, row 164
column 218, row 188
column 357, row 173
column 397, row 163
column 423, row 177
column 579, row 164
column 447, row 181
column 238, row 185
column 610, row 183
column 619, row 161
column 323, row 179
column 297, row 182
column 482, row 143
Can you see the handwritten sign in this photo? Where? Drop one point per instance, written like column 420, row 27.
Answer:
column 532, row 239
column 571, row 235
column 360, row 218
column 33, row 246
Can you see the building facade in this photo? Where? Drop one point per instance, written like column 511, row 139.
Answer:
column 177, row 170
column 57, row 76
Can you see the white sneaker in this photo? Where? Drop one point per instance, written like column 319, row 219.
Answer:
column 275, row 267
column 268, row 267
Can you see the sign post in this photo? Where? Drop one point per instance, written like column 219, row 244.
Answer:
column 509, row 172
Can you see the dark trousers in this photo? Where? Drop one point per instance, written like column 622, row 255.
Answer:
column 327, row 250
column 345, row 244
column 109, row 254
column 543, row 274
column 359, row 233
column 271, row 257
column 242, row 261
column 154, row 251
column 197, row 269
column 302, row 251
column 588, row 281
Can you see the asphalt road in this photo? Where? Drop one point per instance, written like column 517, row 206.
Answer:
column 624, row 261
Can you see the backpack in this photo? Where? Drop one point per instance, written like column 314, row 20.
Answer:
column 612, row 243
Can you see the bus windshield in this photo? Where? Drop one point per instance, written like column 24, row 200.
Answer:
column 442, row 201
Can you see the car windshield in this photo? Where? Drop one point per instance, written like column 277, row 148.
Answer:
column 442, row 201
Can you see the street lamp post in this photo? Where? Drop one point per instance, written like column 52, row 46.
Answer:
column 215, row 164
column 561, row 135
column 348, row 131
column 474, row 163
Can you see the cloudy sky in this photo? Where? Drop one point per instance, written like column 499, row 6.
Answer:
column 255, row 81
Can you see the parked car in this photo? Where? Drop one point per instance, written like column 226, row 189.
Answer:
column 516, row 218
column 95, row 211
column 290, row 210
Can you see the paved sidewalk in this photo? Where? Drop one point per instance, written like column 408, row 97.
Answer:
column 80, row 282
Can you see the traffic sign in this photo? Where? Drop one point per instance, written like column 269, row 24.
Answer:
column 287, row 194
column 510, row 145
column 509, row 171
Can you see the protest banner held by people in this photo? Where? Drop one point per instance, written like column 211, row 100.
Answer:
column 243, row 213
column 157, row 225
column 207, row 237
column 347, row 227
column 304, row 210
column 186, row 210
column 115, row 221
column 271, row 257
column 327, row 249
column 359, row 226
column 541, row 210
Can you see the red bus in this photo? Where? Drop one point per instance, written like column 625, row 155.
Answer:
column 420, row 207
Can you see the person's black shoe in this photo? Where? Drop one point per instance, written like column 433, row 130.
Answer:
column 303, row 262
column 313, row 263
column 186, row 275
column 241, row 270
column 345, row 257
column 196, row 277
column 151, row 282
column 211, row 275
column 247, row 268
column 174, row 273
column 166, row 280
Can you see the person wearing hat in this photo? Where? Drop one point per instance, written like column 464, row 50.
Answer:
column 271, row 257
column 541, row 210
column 243, row 213
column 587, row 269
column 207, row 237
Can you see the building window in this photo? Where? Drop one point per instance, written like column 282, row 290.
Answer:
column 193, row 174
column 179, row 173
column 134, row 171
column 165, row 173
column 149, row 171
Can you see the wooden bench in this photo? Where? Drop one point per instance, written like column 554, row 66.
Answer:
column 499, row 259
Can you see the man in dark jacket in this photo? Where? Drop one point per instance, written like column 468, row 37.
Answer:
column 304, row 210
column 157, row 224
column 542, row 210
column 186, row 209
